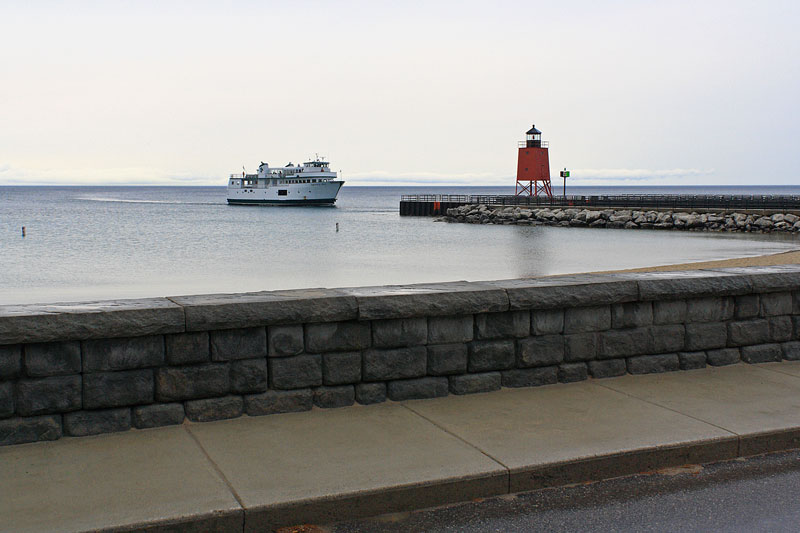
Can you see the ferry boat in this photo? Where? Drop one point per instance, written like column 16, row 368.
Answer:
column 312, row 183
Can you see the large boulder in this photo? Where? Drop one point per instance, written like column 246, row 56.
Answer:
column 562, row 216
column 592, row 216
column 763, row 223
column 665, row 217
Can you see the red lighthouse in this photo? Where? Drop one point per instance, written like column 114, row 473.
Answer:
column 533, row 166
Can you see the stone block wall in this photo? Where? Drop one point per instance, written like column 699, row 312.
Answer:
column 83, row 369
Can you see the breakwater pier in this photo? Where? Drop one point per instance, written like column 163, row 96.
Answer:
column 438, row 204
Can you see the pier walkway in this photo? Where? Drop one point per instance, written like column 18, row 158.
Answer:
column 256, row 474
column 438, row 204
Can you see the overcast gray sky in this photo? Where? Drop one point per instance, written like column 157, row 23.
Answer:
column 627, row 92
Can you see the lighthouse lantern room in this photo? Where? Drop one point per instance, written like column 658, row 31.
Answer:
column 533, row 166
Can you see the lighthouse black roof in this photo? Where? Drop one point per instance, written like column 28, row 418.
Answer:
column 532, row 130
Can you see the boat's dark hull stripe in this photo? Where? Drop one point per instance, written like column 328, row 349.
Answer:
column 322, row 201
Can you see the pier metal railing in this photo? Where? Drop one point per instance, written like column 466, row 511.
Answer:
column 638, row 201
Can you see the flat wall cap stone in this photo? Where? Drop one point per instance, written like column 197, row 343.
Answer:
column 689, row 284
column 230, row 311
column 768, row 278
column 567, row 291
column 428, row 299
column 89, row 320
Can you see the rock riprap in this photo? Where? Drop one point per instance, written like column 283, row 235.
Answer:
column 623, row 218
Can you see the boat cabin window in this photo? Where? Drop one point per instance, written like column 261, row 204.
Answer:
column 282, row 192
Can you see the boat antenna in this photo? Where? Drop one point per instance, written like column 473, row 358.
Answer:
column 244, row 172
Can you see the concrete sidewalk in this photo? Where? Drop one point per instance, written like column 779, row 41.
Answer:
column 322, row 466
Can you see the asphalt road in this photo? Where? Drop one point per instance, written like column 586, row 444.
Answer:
column 753, row 495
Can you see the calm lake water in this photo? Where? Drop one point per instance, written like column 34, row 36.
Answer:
column 86, row 243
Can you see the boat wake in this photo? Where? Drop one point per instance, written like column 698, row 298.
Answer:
column 126, row 201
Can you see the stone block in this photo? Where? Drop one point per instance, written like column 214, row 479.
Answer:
column 577, row 290
column 118, row 389
column 502, row 325
column 248, row 376
column 370, row 393
column 791, row 350
column 187, row 348
column 631, row 314
column 491, row 355
column 33, row 429
column 472, row 383
column 692, row 360
column 691, row 284
column 285, row 341
column 796, row 327
column 211, row 409
column 232, row 344
column 723, row 356
column 340, row 368
column 52, row 359
column 667, row 338
column 415, row 389
column 624, row 342
column 529, row 377
column 338, row 336
column 762, row 353
column 447, row 329
column 31, row 323
column 428, row 299
column 780, row 328
column 580, row 346
column 746, row 306
column 607, row 369
column 279, row 401
column 446, row 359
column 157, row 415
column 547, row 321
column 776, row 304
column 771, row 278
column 10, row 361
column 399, row 363
column 191, row 382
column 669, row 312
column 85, row 423
column 572, row 372
column 796, row 303
column 583, row 319
column 399, row 332
column 711, row 309
column 540, row 351
column 706, row 336
column 6, row 399
column 57, row 394
column 746, row 332
column 298, row 372
column 103, row 355
column 266, row 308
column 649, row 364
column 331, row 397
